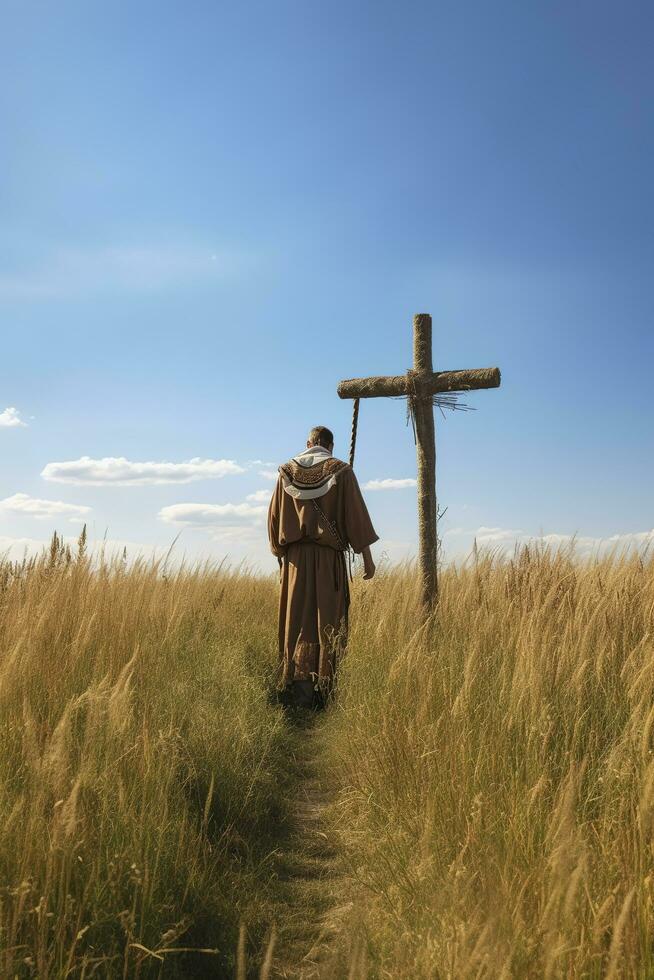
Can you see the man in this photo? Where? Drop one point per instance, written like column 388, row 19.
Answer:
column 316, row 513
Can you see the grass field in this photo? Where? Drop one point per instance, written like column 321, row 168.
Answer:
column 490, row 775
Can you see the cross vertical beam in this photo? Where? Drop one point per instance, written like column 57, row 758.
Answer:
column 419, row 386
column 423, row 414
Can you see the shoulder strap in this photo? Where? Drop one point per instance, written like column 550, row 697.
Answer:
column 330, row 524
column 344, row 549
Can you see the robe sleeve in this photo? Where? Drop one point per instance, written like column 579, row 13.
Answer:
column 358, row 526
column 274, row 516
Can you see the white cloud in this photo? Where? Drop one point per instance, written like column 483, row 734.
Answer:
column 583, row 543
column 268, row 474
column 394, row 550
column 389, row 484
column 16, row 548
column 504, row 541
column 232, row 525
column 241, row 536
column 494, row 535
column 22, row 503
column 211, row 516
column 118, row 471
column 148, row 267
column 259, row 497
column 10, row 419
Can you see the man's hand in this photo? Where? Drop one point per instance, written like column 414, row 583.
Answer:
column 368, row 564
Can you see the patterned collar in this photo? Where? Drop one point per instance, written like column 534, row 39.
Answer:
column 306, row 480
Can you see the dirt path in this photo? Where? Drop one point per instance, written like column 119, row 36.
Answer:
column 308, row 918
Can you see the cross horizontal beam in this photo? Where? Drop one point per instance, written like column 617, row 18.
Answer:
column 421, row 384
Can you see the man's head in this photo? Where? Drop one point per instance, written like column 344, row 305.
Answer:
column 320, row 435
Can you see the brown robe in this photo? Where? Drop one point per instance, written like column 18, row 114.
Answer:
column 314, row 599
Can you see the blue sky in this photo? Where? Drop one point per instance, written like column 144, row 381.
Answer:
column 211, row 213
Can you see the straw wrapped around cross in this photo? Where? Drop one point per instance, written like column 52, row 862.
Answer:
column 422, row 387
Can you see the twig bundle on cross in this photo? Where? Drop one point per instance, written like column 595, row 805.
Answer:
column 420, row 385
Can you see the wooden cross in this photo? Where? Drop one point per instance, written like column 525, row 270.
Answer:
column 419, row 386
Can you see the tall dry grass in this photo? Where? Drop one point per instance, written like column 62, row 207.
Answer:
column 141, row 766
column 495, row 771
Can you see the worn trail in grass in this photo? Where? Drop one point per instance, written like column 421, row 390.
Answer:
column 307, row 915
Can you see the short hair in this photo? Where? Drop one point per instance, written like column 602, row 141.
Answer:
column 320, row 435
